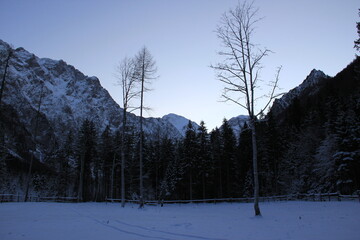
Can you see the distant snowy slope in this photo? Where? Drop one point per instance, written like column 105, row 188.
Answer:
column 237, row 123
column 179, row 122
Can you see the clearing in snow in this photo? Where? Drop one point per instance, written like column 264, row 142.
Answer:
column 281, row 220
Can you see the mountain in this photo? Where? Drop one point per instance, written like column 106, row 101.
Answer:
column 237, row 123
column 310, row 86
column 312, row 136
column 64, row 96
column 179, row 122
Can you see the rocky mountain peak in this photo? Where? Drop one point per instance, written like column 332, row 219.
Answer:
column 309, row 86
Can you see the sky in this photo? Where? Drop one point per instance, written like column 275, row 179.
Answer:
column 94, row 36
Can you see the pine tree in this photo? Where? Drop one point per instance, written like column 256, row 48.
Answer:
column 172, row 186
column 270, row 148
column 190, row 154
column 106, row 156
column 87, row 159
column 216, row 158
column 204, row 162
column 229, row 159
column 65, row 171
column 347, row 156
column 245, row 177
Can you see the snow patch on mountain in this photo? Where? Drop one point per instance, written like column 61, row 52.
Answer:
column 179, row 122
column 237, row 123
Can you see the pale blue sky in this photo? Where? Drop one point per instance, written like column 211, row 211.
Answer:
column 94, row 36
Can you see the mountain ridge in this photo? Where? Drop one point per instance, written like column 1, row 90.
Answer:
column 64, row 96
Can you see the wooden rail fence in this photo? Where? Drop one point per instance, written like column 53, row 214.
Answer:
column 292, row 197
column 20, row 198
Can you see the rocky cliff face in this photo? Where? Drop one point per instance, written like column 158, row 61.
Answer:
column 61, row 98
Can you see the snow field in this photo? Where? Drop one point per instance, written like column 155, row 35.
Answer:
column 281, row 220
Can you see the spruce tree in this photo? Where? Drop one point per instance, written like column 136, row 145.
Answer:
column 229, row 158
column 190, row 153
column 203, row 161
column 86, row 150
column 216, row 150
column 245, row 178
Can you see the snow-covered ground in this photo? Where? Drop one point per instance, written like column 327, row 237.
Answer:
column 281, row 220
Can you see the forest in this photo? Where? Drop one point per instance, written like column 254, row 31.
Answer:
column 311, row 146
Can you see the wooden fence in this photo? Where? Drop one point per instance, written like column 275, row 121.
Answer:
column 292, row 197
column 20, row 198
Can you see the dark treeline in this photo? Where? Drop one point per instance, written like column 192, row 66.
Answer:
column 201, row 165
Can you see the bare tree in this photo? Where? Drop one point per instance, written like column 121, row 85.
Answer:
column 7, row 60
column 240, row 71
column 126, row 76
column 357, row 42
column 146, row 70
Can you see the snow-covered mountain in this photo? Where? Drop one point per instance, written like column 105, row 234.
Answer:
column 237, row 123
column 64, row 96
column 309, row 86
column 179, row 122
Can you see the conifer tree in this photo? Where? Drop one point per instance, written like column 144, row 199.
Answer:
column 347, row 156
column 228, row 157
column 203, row 160
column 190, row 153
column 86, row 149
column 245, row 170
column 66, row 158
column 216, row 149
column 106, row 155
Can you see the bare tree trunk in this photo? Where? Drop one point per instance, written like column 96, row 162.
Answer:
column 28, row 179
column 123, row 160
column 157, row 178
column 203, row 186
column 141, row 141
column 96, row 186
column 128, row 80
column 220, row 181
column 4, row 76
column 81, row 183
column 191, row 183
column 145, row 69
column 112, row 178
column 255, row 168
column 240, row 70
